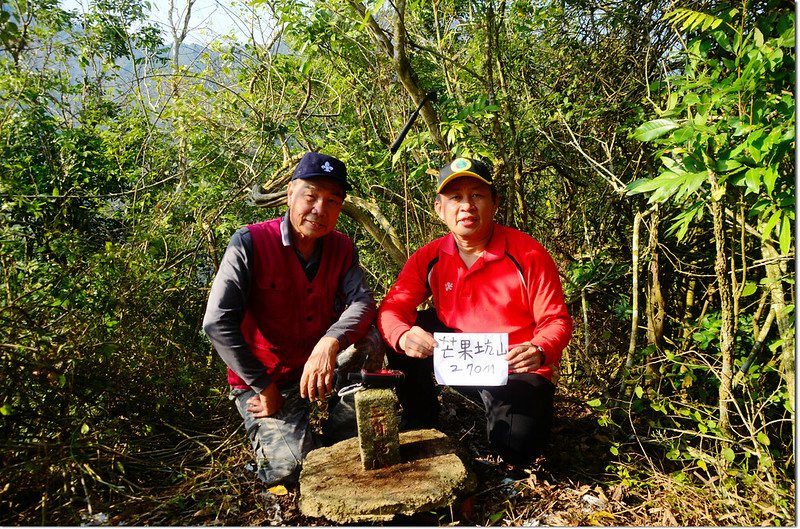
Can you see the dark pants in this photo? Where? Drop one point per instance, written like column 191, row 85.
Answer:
column 519, row 415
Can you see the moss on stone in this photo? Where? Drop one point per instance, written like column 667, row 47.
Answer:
column 376, row 416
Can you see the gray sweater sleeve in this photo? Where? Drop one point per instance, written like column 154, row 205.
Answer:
column 360, row 308
column 225, row 311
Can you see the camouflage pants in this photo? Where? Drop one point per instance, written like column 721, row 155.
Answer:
column 280, row 442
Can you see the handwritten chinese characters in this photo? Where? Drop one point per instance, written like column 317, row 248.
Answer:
column 470, row 359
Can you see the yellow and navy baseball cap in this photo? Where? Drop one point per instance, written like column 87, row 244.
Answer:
column 463, row 167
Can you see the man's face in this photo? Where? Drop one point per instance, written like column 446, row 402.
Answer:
column 314, row 207
column 467, row 206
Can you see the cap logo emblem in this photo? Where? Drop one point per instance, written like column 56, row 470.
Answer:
column 461, row 164
column 327, row 167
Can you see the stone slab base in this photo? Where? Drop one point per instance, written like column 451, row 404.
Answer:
column 431, row 474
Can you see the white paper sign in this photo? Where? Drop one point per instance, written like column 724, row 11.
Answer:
column 470, row 359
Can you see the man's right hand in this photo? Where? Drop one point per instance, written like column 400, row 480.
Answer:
column 267, row 403
column 417, row 342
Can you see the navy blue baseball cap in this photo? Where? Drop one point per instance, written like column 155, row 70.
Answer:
column 318, row 165
column 463, row 167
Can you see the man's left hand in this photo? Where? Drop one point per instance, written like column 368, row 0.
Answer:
column 317, row 379
column 525, row 358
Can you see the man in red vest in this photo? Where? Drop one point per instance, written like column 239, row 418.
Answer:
column 290, row 302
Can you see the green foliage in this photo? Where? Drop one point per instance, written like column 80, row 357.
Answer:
column 730, row 113
column 680, row 414
column 104, row 269
column 727, row 115
column 461, row 129
column 692, row 20
column 121, row 188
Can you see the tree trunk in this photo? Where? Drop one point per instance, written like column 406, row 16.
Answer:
column 397, row 52
column 493, row 68
column 637, row 222
column 179, row 27
column 655, row 297
column 775, row 269
column 691, row 291
column 654, row 304
column 587, row 334
column 726, row 305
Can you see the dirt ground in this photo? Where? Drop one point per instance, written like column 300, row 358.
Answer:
column 562, row 489
column 579, row 482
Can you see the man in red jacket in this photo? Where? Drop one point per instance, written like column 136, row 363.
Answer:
column 290, row 302
column 483, row 277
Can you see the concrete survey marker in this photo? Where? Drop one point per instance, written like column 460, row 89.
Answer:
column 430, row 474
column 376, row 416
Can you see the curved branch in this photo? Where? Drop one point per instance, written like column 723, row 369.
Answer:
column 617, row 185
column 397, row 53
column 376, row 33
column 267, row 200
column 369, row 216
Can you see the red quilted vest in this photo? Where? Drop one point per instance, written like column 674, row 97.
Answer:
column 287, row 314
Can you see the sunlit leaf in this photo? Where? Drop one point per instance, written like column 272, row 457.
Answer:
column 654, row 129
column 770, row 177
column 786, row 235
column 770, row 225
column 753, row 179
column 749, row 289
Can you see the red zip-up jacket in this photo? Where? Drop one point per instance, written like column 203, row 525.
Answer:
column 512, row 288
